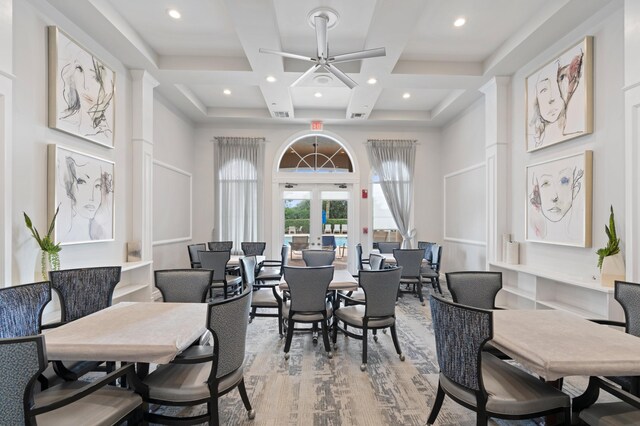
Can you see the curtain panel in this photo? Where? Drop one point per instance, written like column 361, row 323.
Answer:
column 238, row 181
column 394, row 163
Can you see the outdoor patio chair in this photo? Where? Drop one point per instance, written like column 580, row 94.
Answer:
column 344, row 228
column 336, row 228
column 327, row 228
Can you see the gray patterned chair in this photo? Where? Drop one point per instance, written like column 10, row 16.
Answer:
column 480, row 381
column 82, row 292
column 411, row 262
column 474, row 288
column 220, row 245
column 201, row 374
column 21, row 309
column 381, row 289
column 217, row 262
column 318, row 257
column 253, row 248
column 271, row 270
column 619, row 413
column 375, row 263
column 388, row 247
column 427, row 246
column 431, row 271
column 363, row 264
column 184, row 285
column 194, row 258
column 22, row 359
column 265, row 296
column 308, row 288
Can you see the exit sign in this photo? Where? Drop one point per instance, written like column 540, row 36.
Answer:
column 316, row 125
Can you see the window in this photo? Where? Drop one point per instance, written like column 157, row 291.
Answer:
column 316, row 154
column 384, row 226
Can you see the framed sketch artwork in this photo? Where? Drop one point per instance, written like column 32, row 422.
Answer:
column 559, row 98
column 559, row 201
column 82, row 185
column 81, row 91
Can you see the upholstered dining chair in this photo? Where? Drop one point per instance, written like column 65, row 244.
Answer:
column 217, row 262
column 82, row 292
column 427, row 246
column 265, row 295
column 318, row 257
column 477, row 379
column 623, row 412
column 475, row 288
column 375, row 263
column 270, row 270
column 308, row 288
column 431, row 271
column 253, row 248
column 381, row 289
column 411, row 262
column 363, row 264
column 202, row 374
column 220, row 245
column 388, row 246
column 299, row 243
column 184, row 285
column 70, row 403
column 194, row 258
column 21, row 309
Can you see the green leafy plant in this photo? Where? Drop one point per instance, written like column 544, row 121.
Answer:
column 50, row 251
column 613, row 245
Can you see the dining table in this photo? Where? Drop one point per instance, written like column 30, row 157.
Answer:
column 389, row 259
column 342, row 280
column 554, row 344
column 142, row 332
column 234, row 259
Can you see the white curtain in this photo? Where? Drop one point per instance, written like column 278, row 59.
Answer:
column 394, row 163
column 238, row 171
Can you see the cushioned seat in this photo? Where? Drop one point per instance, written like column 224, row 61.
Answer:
column 269, row 274
column 354, row 314
column 232, row 280
column 611, row 414
column 264, row 299
column 306, row 316
column 511, row 391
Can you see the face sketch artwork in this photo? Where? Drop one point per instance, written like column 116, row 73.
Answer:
column 89, row 191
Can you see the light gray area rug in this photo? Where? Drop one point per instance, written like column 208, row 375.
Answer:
column 312, row 390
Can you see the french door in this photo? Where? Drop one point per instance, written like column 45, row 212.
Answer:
column 316, row 216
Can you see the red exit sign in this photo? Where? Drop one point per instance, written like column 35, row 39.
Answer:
column 316, row 125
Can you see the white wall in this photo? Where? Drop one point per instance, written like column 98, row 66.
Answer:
column 428, row 191
column 607, row 143
column 31, row 137
column 173, row 144
column 463, row 146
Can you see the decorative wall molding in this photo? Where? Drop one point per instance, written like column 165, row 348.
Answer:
column 449, row 176
column 190, row 202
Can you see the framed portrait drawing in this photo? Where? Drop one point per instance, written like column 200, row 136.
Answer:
column 559, row 201
column 81, row 91
column 559, row 98
column 82, row 185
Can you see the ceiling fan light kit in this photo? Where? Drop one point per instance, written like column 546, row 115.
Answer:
column 322, row 19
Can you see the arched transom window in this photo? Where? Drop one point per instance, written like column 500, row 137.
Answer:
column 316, row 154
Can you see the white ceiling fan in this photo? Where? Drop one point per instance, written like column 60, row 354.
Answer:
column 321, row 19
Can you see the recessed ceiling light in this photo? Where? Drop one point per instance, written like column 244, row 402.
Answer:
column 372, row 81
column 406, row 95
column 174, row 13
column 271, row 79
column 226, row 92
column 459, row 22
column 317, row 95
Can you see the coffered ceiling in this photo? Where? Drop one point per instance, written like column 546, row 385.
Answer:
column 214, row 46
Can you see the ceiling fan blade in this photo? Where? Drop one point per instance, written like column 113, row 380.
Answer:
column 321, row 35
column 287, row 55
column 305, row 74
column 354, row 56
column 342, row 76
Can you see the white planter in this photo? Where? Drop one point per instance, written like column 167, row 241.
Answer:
column 612, row 270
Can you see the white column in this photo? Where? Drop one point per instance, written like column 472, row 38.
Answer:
column 6, row 140
column 496, row 95
column 631, row 240
column 142, row 144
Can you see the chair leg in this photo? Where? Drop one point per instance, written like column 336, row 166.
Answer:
column 394, row 336
column 437, row 404
column 365, row 336
column 419, row 286
column 212, row 406
column 245, row 400
column 325, row 338
column 438, row 285
column 280, row 320
column 482, row 419
column 252, row 316
column 287, row 344
column 334, row 332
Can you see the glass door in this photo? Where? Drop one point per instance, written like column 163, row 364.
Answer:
column 316, row 217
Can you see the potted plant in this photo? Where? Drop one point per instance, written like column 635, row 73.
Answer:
column 49, row 252
column 610, row 260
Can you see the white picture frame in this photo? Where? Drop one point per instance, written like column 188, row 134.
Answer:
column 82, row 186
column 558, row 201
column 81, row 91
column 559, row 98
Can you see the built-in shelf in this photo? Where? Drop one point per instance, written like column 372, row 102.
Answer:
column 129, row 266
column 120, row 292
column 531, row 287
